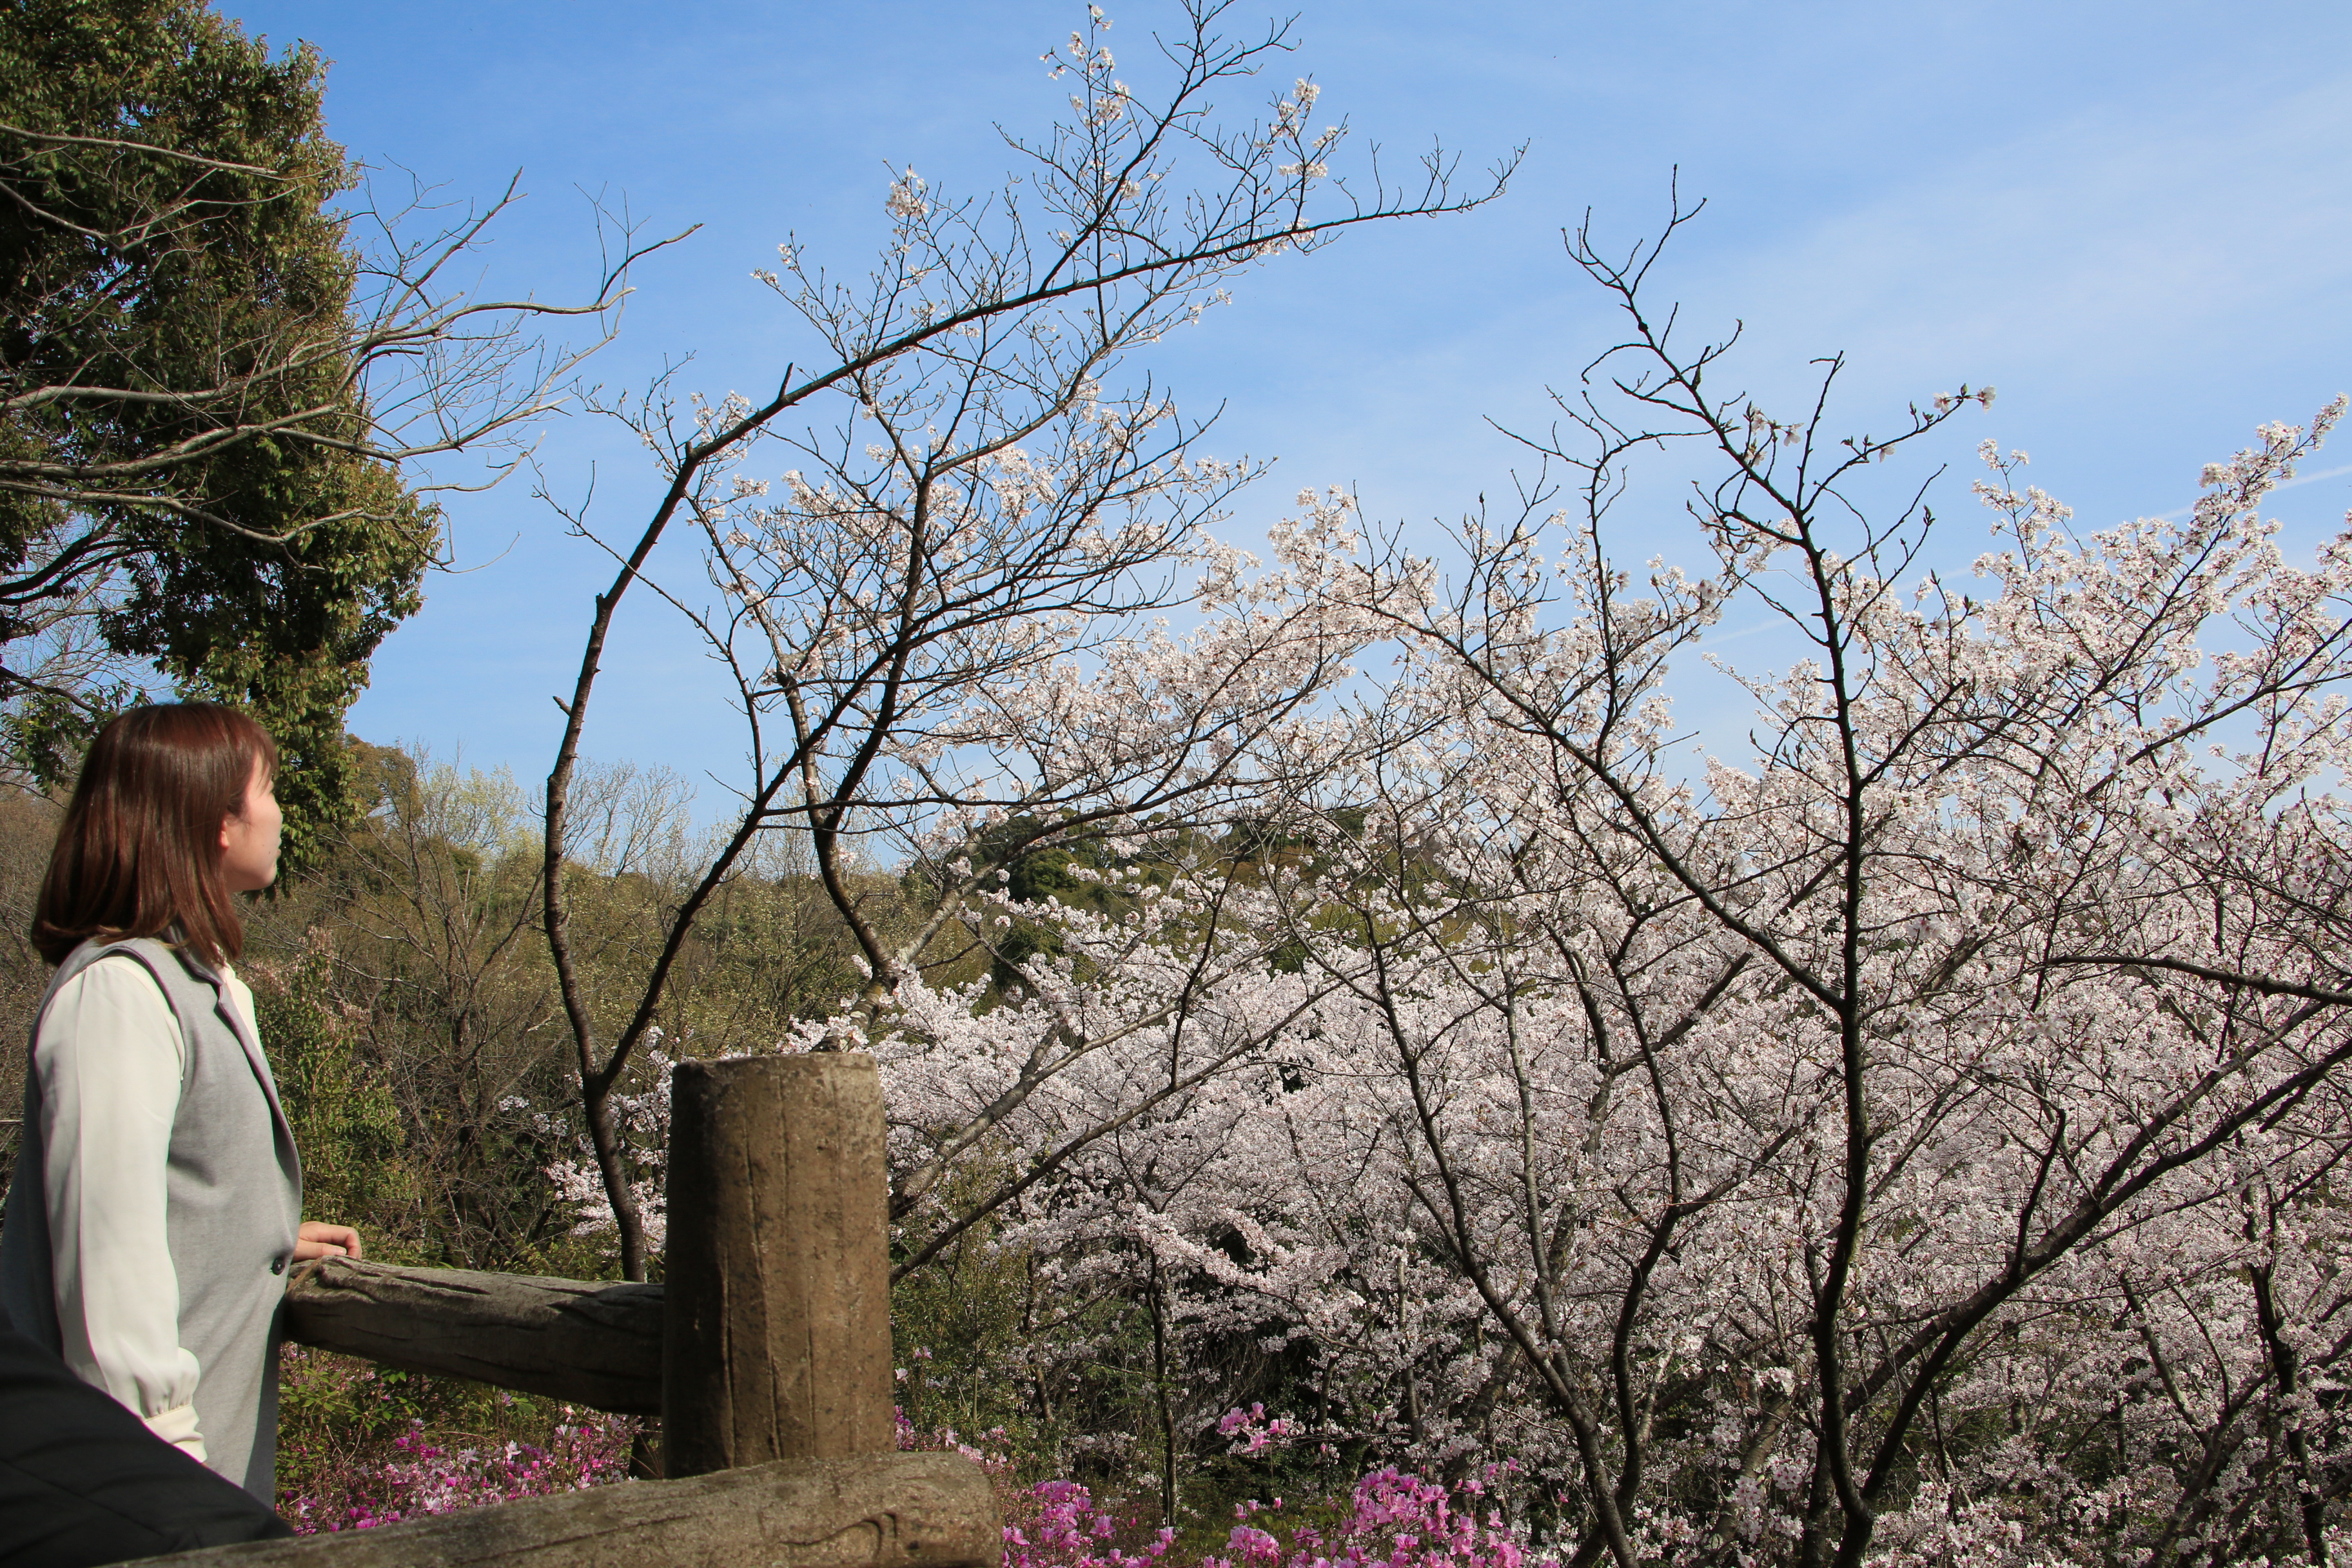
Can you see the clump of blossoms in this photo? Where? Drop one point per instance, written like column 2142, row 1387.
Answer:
column 422, row 1479
column 1392, row 1520
column 1251, row 1431
column 1397, row 1521
column 1059, row 1524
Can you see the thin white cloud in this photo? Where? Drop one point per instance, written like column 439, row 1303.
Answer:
column 2106, row 238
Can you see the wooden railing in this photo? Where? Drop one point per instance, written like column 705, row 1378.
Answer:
column 766, row 1354
column 594, row 1344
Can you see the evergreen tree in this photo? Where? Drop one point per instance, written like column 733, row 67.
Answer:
column 189, row 478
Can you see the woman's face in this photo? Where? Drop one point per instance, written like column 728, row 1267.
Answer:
column 249, row 837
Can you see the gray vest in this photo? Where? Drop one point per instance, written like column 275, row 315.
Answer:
column 234, row 1191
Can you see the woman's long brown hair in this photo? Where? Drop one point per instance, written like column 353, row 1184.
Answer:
column 139, row 853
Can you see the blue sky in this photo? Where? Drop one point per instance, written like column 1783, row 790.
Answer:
column 2135, row 220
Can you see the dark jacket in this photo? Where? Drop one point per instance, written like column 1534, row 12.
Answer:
column 82, row 1481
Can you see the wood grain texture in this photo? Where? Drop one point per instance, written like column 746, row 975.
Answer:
column 597, row 1344
column 776, row 1342
column 882, row 1511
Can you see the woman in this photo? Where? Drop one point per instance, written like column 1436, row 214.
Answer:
column 156, row 1204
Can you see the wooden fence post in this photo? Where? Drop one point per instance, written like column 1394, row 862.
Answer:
column 776, row 1302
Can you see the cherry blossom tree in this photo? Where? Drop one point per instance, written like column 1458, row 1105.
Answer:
column 1907, row 1136
column 910, row 623
column 1985, row 957
column 1913, row 1137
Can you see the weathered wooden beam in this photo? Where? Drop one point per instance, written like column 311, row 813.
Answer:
column 881, row 1511
column 777, row 1318
column 575, row 1340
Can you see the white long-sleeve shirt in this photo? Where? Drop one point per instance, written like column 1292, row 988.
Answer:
column 109, row 1059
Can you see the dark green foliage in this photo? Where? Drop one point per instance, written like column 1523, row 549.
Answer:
column 183, row 474
column 1034, row 875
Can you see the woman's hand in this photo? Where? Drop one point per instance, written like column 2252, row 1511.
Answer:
column 319, row 1239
